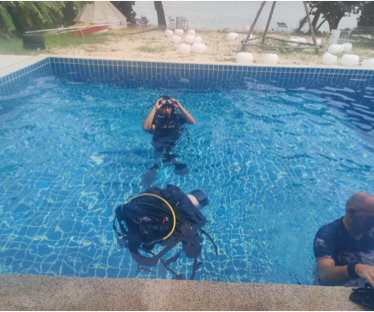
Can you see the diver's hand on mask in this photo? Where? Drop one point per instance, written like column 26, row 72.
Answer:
column 158, row 104
column 176, row 104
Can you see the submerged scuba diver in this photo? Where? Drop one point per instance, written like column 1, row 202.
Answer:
column 166, row 125
column 165, row 217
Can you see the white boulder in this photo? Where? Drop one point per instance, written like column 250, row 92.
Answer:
column 191, row 32
column 176, row 39
column 271, row 59
column 329, row 59
column 279, row 29
column 189, row 38
column 347, row 47
column 335, row 48
column 178, row 32
column 289, row 30
column 350, row 60
column 168, row 33
column 244, row 57
column 246, row 29
column 232, row 36
column 368, row 63
column 197, row 40
column 198, row 48
column 184, row 48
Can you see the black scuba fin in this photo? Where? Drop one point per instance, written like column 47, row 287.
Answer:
column 363, row 295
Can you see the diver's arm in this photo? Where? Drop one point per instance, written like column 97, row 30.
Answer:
column 147, row 124
column 331, row 274
column 186, row 114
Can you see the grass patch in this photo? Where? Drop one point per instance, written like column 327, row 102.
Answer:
column 148, row 49
column 15, row 45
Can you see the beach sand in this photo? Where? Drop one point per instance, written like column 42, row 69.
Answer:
column 154, row 45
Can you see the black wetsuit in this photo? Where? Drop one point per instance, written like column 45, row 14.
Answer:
column 333, row 241
column 166, row 130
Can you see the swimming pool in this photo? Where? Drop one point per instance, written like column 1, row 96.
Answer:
column 276, row 150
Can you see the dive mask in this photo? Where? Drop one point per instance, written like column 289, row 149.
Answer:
column 166, row 102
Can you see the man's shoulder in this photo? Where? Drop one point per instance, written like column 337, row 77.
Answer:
column 331, row 229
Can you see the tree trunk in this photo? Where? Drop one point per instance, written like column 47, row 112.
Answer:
column 160, row 13
column 316, row 17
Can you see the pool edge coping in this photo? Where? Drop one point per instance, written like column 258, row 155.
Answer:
column 38, row 292
column 33, row 60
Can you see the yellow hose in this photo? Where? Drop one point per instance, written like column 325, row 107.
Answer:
column 172, row 211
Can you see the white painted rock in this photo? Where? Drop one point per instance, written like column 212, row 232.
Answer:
column 197, row 40
column 184, row 48
column 232, row 36
column 189, row 39
column 302, row 40
column 168, row 33
column 178, row 32
column 246, row 29
column 198, row 48
column 334, row 48
column 347, row 47
column 271, row 59
column 176, row 39
column 368, row 63
column 191, row 32
column 349, row 60
column 279, row 29
column 244, row 57
column 261, row 29
column 329, row 59
column 289, row 30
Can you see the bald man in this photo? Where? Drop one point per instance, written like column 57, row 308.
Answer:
column 344, row 249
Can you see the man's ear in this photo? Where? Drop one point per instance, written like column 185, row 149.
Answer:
column 351, row 212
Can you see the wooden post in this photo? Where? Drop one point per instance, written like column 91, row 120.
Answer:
column 268, row 23
column 255, row 21
column 311, row 26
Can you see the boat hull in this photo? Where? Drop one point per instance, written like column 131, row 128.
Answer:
column 90, row 30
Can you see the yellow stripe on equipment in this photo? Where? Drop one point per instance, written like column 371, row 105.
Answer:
column 171, row 209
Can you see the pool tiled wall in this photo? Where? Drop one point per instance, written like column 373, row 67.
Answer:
column 136, row 73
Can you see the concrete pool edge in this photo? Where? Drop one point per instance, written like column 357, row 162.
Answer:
column 38, row 292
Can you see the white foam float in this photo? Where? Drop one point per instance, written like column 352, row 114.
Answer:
column 198, row 48
column 168, row 33
column 176, row 39
column 178, row 32
column 350, row 60
column 302, row 40
column 347, row 47
column 271, row 59
column 329, row 59
column 246, row 29
column 293, row 41
column 244, row 57
column 191, row 32
column 197, row 40
column 184, row 48
column 189, row 38
column 341, row 47
column 368, row 63
column 232, row 36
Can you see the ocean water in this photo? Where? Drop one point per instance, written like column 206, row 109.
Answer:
column 233, row 14
column 276, row 164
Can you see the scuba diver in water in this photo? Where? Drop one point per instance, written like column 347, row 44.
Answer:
column 166, row 217
column 166, row 125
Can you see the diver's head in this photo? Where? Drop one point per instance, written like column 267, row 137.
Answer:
column 198, row 198
column 167, row 106
column 360, row 212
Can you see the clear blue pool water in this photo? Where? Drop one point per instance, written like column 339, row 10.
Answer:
column 276, row 164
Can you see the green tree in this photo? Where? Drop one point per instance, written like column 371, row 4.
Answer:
column 367, row 15
column 332, row 11
column 16, row 17
column 125, row 7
